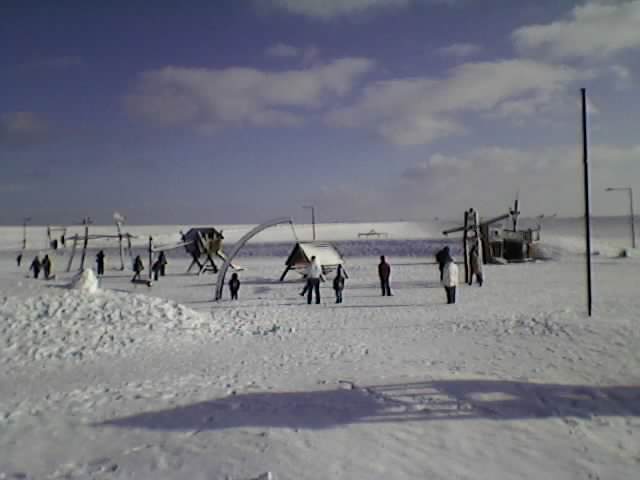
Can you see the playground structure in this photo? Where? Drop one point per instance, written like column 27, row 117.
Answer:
column 300, row 257
column 499, row 245
column 373, row 234
column 53, row 241
column 120, row 236
column 240, row 243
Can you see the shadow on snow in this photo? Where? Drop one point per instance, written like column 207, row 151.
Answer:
column 433, row 400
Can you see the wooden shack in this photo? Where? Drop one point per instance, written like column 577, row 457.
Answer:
column 300, row 257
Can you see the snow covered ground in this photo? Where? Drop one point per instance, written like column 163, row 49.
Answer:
column 162, row 383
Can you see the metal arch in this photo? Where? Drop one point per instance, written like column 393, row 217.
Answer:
column 239, row 244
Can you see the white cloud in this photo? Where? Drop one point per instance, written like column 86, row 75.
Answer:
column 210, row 99
column 549, row 178
column 460, row 50
column 596, row 29
column 622, row 76
column 420, row 110
column 19, row 129
column 282, row 50
column 326, row 9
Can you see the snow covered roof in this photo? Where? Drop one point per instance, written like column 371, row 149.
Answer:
column 325, row 253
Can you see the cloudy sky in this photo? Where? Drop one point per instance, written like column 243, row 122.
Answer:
column 243, row 110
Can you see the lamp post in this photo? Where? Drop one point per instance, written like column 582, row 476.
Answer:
column 25, row 220
column 629, row 190
column 313, row 219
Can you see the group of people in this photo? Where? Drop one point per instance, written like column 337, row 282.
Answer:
column 158, row 268
column 449, row 276
column 45, row 265
column 314, row 275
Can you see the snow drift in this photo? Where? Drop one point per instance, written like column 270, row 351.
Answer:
column 74, row 325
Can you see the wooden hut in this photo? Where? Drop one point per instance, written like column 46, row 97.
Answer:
column 300, row 257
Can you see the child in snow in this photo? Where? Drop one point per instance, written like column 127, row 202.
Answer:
column 234, row 286
column 138, row 267
column 35, row 267
column 338, row 284
column 100, row 262
column 450, row 280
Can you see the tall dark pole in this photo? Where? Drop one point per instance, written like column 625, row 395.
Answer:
column 587, row 199
column 313, row 219
column 633, row 219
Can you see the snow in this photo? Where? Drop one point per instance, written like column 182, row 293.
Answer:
column 515, row 381
column 86, row 281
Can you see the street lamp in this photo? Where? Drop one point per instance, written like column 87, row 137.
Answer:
column 313, row 219
column 631, row 216
column 24, row 232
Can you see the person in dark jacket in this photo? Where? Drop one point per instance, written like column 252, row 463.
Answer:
column 155, row 268
column 19, row 259
column 100, row 262
column 442, row 257
column 47, row 266
column 162, row 258
column 36, row 266
column 338, row 284
column 234, row 286
column 384, row 272
column 138, row 267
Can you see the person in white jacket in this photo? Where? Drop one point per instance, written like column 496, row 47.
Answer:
column 314, row 275
column 450, row 280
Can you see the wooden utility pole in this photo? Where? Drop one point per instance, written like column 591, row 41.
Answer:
column 587, row 197
column 73, row 252
column 465, row 247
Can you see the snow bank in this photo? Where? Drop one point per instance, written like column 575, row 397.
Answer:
column 85, row 281
column 73, row 325
column 557, row 247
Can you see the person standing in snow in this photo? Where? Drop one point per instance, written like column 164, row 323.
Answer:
column 384, row 272
column 36, row 266
column 100, row 262
column 450, row 280
column 234, row 286
column 442, row 256
column 19, row 259
column 138, row 267
column 47, row 267
column 162, row 258
column 476, row 265
column 155, row 268
column 338, row 284
column 314, row 275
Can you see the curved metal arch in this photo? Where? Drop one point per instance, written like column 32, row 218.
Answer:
column 239, row 244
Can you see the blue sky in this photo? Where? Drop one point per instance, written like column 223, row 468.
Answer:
column 243, row 110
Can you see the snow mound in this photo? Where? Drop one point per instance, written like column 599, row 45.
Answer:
column 85, row 281
column 541, row 324
column 555, row 248
column 73, row 326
